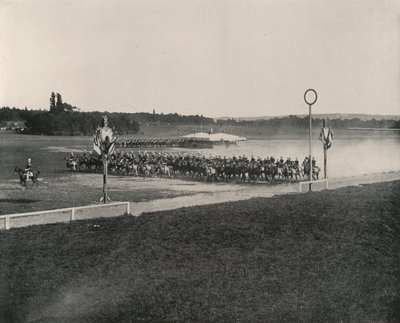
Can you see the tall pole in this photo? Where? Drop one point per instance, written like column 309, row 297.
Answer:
column 310, row 102
column 325, row 164
column 105, row 168
column 104, row 145
column 309, row 145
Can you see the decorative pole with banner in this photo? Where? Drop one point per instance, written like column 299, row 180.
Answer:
column 104, row 145
column 326, row 136
column 310, row 96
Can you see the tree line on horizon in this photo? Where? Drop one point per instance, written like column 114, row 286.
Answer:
column 296, row 122
column 63, row 118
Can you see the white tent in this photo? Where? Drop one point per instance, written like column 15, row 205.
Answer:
column 225, row 137
column 198, row 135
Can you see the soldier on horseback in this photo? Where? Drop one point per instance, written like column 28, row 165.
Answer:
column 28, row 169
column 71, row 157
column 27, row 174
column 296, row 164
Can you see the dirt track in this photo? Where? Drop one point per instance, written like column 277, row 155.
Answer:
column 150, row 194
column 219, row 193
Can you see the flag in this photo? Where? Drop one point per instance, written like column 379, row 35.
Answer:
column 104, row 141
column 326, row 137
column 97, row 142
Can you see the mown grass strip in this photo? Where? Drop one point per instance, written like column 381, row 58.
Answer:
column 320, row 256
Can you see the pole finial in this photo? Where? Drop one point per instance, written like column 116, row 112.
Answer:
column 310, row 96
column 104, row 122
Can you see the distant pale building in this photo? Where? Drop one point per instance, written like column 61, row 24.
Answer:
column 15, row 125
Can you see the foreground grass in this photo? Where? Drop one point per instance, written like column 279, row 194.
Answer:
column 321, row 256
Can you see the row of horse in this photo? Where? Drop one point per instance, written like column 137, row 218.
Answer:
column 195, row 167
column 211, row 172
column 153, row 142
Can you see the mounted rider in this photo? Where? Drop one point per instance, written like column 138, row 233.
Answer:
column 296, row 164
column 313, row 163
column 28, row 169
column 71, row 158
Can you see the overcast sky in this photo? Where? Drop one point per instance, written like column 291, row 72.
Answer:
column 216, row 58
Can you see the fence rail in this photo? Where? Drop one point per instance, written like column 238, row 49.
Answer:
column 8, row 221
column 325, row 180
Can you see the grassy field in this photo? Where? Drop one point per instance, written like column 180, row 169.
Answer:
column 315, row 257
column 47, row 153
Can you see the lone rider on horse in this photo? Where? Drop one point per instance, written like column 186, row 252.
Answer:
column 28, row 169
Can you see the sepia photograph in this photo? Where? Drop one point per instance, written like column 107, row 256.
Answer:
column 199, row 161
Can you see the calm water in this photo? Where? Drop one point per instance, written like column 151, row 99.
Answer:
column 345, row 157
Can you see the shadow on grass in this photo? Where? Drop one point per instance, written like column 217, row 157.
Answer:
column 18, row 201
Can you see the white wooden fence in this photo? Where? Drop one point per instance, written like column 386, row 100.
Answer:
column 325, row 180
column 8, row 221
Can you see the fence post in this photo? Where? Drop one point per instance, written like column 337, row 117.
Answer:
column 128, row 207
column 7, row 222
column 72, row 214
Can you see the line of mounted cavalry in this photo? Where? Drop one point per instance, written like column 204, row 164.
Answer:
column 196, row 166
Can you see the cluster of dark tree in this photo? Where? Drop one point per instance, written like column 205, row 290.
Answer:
column 40, row 122
column 58, row 106
column 296, row 122
column 65, row 119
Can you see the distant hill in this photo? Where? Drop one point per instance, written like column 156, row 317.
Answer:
column 342, row 116
column 363, row 117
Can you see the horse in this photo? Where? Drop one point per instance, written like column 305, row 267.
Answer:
column 306, row 170
column 23, row 177
column 133, row 169
column 145, row 169
column 279, row 172
column 315, row 171
column 271, row 171
column 210, row 172
column 296, row 173
column 287, row 172
column 71, row 163
column 92, row 164
column 83, row 163
column 163, row 170
column 256, row 172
